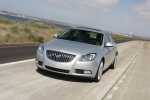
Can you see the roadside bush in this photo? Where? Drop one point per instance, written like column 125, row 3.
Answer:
column 60, row 31
column 40, row 39
column 31, row 37
column 37, row 24
column 41, row 25
column 8, row 37
column 34, row 38
column 26, row 30
column 15, row 29
column 52, row 27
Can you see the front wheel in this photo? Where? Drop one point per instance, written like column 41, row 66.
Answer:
column 99, row 72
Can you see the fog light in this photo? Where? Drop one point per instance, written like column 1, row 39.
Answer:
column 39, row 62
column 36, row 61
column 87, row 72
column 81, row 71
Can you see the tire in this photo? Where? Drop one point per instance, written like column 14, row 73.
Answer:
column 99, row 72
column 113, row 66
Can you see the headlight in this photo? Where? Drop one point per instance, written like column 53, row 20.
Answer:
column 88, row 57
column 41, row 48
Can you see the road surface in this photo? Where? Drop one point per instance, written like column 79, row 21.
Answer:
column 21, row 81
column 135, row 82
column 17, row 52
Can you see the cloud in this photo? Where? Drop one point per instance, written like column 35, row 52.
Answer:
column 55, row 2
column 143, row 9
column 100, row 4
column 81, row 9
column 141, row 12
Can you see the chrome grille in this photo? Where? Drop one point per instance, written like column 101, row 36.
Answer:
column 59, row 56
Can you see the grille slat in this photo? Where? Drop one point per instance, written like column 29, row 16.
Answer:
column 59, row 56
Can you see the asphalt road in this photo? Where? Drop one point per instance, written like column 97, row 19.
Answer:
column 18, row 52
column 135, row 82
column 21, row 81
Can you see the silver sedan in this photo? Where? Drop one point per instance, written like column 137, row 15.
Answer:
column 78, row 51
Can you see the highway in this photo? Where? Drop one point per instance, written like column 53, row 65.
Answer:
column 134, row 84
column 21, row 81
column 17, row 52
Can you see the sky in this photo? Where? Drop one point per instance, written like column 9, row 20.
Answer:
column 122, row 16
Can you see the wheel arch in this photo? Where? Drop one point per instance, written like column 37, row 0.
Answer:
column 103, row 59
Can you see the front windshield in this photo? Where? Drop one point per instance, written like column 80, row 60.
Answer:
column 83, row 36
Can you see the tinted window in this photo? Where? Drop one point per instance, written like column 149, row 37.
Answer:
column 83, row 36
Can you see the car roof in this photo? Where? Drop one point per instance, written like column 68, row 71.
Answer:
column 89, row 29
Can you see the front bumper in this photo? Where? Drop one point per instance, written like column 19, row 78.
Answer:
column 75, row 67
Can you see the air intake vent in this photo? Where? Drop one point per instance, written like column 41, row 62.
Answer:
column 56, row 69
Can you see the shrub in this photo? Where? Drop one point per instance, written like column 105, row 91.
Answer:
column 40, row 39
column 8, row 38
column 15, row 29
column 52, row 27
column 26, row 30
column 32, row 37
column 37, row 24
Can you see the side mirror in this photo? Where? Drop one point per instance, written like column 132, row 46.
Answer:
column 55, row 35
column 108, row 44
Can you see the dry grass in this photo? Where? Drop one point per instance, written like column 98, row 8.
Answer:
column 18, row 32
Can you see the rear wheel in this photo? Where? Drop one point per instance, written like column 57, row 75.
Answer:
column 114, row 63
column 99, row 72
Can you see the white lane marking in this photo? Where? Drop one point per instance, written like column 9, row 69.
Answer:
column 149, row 45
column 120, row 81
column 110, row 97
column 124, row 76
column 17, row 62
column 115, row 88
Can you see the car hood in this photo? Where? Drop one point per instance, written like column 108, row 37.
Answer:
column 72, row 47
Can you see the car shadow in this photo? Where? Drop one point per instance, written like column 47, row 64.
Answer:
column 106, row 70
column 63, row 77
column 67, row 77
